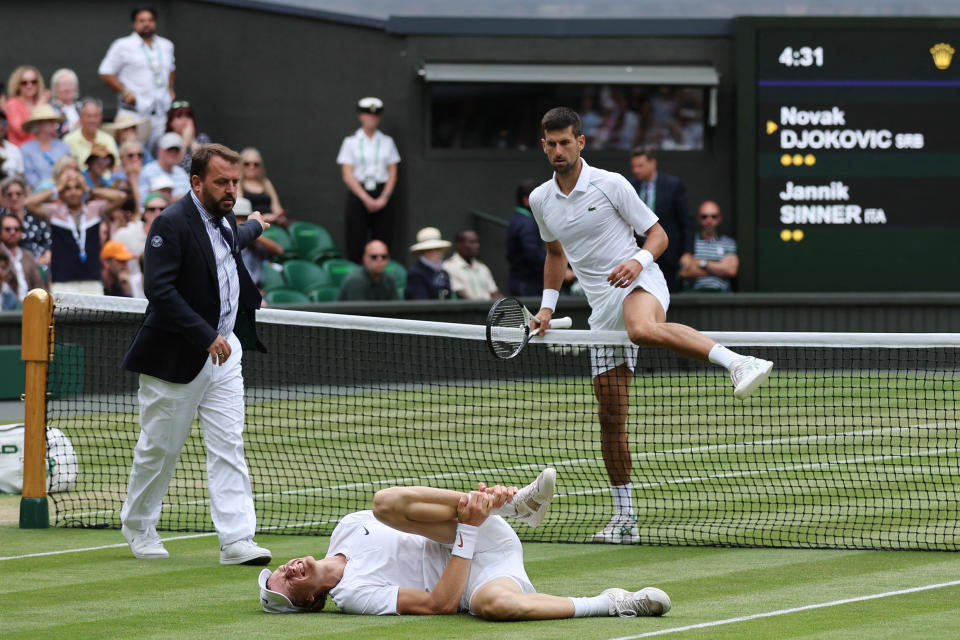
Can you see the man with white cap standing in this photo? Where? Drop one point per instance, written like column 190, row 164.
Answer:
column 368, row 162
column 426, row 278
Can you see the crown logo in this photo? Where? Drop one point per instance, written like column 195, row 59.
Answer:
column 942, row 55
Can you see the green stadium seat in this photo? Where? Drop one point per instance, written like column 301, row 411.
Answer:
column 280, row 236
column 398, row 272
column 324, row 294
column 304, row 276
column 286, row 296
column 312, row 242
column 339, row 268
column 272, row 278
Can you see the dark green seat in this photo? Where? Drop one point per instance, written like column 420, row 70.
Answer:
column 339, row 268
column 280, row 236
column 304, row 276
column 286, row 296
column 311, row 241
column 324, row 294
column 272, row 278
column 399, row 274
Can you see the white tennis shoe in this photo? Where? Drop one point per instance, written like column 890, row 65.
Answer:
column 144, row 544
column 649, row 601
column 244, row 551
column 532, row 501
column 748, row 373
column 621, row 529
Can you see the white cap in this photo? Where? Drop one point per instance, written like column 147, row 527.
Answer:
column 171, row 140
column 271, row 601
column 162, row 181
column 242, row 207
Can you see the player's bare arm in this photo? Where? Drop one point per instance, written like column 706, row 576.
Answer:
column 625, row 274
column 554, row 268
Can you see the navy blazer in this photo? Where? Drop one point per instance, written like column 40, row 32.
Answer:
column 180, row 282
column 670, row 205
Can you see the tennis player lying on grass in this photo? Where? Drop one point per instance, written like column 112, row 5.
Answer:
column 433, row 551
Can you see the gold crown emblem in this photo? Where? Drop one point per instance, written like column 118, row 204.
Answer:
column 942, row 55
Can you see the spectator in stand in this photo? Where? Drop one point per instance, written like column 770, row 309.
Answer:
column 22, row 262
column 163, row 185
column 78, row 231
column 256, row 187
column 368, row 162
column 65, row 89
column 470, row 278
column 115, row 271
column 129, row 127
column 36, row 236
column 257, row 253
column 25, row 91
column 131, row 165
column 140, row 68
column 714, row 262
column 426, row 278
column 371, row 282
column 8, row 285
column 182, row 119
column 167, row 164
column 11, row 159
column 666, row 196
column 525, row 250
column 42, row 153
column 82, row 140
column 134, row 238
column 99, row 163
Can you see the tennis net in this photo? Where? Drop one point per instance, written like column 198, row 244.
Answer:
column 852, row 443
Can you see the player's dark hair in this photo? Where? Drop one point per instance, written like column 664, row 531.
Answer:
column 136, row 11
column 647, row 152
column 559, row 118
column 524, row 189
column 200, row 159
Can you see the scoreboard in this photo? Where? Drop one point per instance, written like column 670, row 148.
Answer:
column 848, row 154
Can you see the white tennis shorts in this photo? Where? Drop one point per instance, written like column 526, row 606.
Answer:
column 607, row 315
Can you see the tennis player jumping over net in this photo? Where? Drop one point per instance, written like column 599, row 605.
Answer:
column 433, row 551
column 588, row 216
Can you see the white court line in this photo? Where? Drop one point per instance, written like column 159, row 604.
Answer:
column 783, row 612
column 183, row 537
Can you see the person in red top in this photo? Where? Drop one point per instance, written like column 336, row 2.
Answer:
column 26, row 91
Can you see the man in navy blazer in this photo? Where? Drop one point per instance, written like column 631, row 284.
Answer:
column 188, row 353
column 666, row 196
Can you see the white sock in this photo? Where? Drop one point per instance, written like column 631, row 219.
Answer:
column 591, row 607
column 722, row 356
column 623, row 499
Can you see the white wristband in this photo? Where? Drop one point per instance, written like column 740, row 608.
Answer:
column 550, row 297
column 465, row 541
column 644, row 257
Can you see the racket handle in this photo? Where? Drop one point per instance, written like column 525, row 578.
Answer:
column 561, row 323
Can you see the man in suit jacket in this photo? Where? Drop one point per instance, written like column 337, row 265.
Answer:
column 666, row 196
column 188, row 352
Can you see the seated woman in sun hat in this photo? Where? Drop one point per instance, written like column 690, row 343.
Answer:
column 426, row 278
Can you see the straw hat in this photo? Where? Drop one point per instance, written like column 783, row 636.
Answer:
column 429, row 238
column 124, row 120
column 97, row 150
column 40, row 113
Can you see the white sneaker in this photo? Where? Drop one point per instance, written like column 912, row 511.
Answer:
column 649, row 601
column 244, row 551
column 144, row 544
column 621, row 529
column 747, row 374
column 532, row 501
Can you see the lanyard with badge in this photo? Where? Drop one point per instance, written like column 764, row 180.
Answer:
column 370, row 182
column 79, row 233
column 155, row 67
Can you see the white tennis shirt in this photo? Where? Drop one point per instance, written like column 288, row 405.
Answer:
column 370, row 157
column 380, row 560
column 596, row 223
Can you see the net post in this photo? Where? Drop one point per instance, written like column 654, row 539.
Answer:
column 36, row 352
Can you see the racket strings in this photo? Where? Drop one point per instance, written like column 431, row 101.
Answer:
column 508, row 330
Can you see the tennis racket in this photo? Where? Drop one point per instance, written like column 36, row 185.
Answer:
column 508, row 327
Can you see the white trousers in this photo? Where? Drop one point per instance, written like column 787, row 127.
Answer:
column 166, row 411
